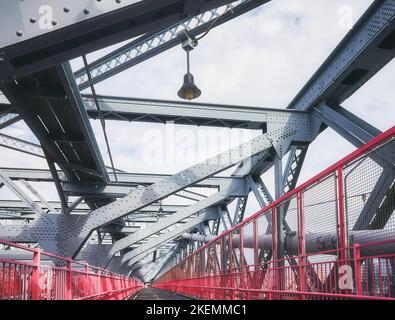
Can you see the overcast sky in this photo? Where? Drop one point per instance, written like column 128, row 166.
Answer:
column 261, row 59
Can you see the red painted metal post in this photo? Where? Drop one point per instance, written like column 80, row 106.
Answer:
column 69, row 283
column 231, row 267
column 302, row 256
column 36, row 275
column 242, row 268
column 357, row 269
column 256, row 254
column 213, row 258
column 99, row 280
column 275, row 278
column 223, row 268
column 87, row 282
column 341, row 217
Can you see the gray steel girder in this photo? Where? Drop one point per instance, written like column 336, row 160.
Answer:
column 365, row 50
column 188, row 113
column 151, row 44
column 67, row 234
column 21, row 145
column 20, row 193
column 124, row 179
column 46, row 32
column 19, row 206
column 59, row 122
column 354, row 130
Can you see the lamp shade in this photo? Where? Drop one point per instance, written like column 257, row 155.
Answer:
column 189, row 90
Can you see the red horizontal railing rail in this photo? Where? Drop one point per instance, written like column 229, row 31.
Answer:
column 339, row 241
column 35, row 279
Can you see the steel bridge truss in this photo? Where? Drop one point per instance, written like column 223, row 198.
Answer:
column 123, row 221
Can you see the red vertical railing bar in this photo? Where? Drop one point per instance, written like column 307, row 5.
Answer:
column 341, row 217
column 223, row 268
column 357, row 269
column 274, row 279
column 3, row 285
column 214, row 282
column 256, row 254
column 231, row 266
column 302, row 256
column 36, row 275
column 86, row 279
column 242, row 271
column 69, row 281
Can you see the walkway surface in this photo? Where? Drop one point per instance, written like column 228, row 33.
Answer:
column 157, row 294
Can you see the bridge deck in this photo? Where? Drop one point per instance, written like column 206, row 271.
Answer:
column 157, row 294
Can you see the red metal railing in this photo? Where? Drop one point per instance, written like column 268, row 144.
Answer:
column 338, row 241
column 35, row 279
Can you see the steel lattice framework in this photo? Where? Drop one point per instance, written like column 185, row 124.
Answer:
column 115, row 219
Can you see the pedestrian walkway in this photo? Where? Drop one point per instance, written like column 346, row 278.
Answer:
column 157, row 294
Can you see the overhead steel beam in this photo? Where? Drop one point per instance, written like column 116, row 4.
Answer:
column 59, row 122
column 188, row 113
column 225, row 227
column 124, row 179
column 38, row 195
column 154, row 43
column 8, row 118
column 40, row 34
column 349, row 126
column 287, row 130
column 365, row 50
column 21, row 145
column 115, row 190
column 20, row 206
column 20, row 194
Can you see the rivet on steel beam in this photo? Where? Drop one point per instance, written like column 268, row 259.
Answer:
column 86, row 11
column 32, row 20
column 65, row 9
column 19, row 33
